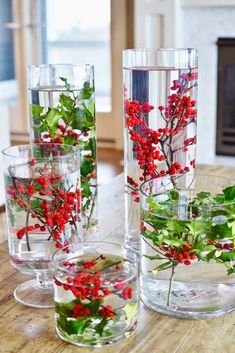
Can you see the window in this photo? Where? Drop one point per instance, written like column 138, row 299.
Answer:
column 79, row 33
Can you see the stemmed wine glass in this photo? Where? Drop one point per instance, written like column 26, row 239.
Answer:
column 42, row 186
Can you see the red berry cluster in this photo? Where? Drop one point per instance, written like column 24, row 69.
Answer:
column 182, row 255
column 80, row 310
column 61, row 133
column 91, row 286
column 47, row 201
column 219, row 245
column 154, row 146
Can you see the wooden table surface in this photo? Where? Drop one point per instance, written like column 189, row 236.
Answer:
column 28, row 330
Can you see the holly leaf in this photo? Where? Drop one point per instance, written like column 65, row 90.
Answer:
column 99, row 328
column 174, row 195
column 36, row 110
column 154, row 257
column 53, row 117
column 86, row 167
column 231, row 270
column 210, row 255
column 35, row 204
column 203, row 195
column 90, row 145
column 86, row 191
column 86, row 92
column 66, row 101
column 162, row 267
column 94, row 307
column 67, row 85
column 229, row 193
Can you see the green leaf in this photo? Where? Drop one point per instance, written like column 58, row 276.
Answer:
column 174, row 195
column 86, row 92
column 91, row 108
column 53, row 117
column 162, row 267
column 99, row 328
column 86, row 190
column 131, row 312
column 203, row 195
column 87, row 167
column 66, row 101
column 94, row 306
column 82, row 120
column 232, row 226
column 67, row 85
column 229, row 193
column 154, row 257
column 231, row 270
column 35, row 204
column 36, row 110
column 210, row 255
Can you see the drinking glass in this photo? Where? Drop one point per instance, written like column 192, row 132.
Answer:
column 42, row 187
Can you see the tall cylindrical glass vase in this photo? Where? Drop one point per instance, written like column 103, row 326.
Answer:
column 160, row 113
column 62, row 110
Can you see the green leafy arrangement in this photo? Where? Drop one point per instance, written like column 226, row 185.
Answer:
column 199, row 229
column 72, row 122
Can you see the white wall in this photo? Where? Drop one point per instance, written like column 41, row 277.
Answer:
column 201, row 27
column 191, row 23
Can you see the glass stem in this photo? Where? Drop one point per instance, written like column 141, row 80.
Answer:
column 170, row 285
column 44, row 279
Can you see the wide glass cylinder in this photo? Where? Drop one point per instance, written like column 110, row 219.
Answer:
column 62, row 110
column 96, row 295
column 42, row 184
column 160, row 113
column 187, row 246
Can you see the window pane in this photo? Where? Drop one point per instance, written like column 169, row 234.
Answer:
column 78, row 32
column 6, row 43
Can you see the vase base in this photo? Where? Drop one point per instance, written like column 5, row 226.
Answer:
column 102, row 342
column 30, row 293
column 188, row 301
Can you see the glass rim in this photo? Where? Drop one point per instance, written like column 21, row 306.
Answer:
column 63, row 251
column 152, row 50
column 28, row 146
column 187, row 189
column 62, row 65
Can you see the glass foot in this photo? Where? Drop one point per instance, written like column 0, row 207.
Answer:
column 30, row 293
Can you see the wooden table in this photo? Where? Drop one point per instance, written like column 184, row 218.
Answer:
column 28, row 330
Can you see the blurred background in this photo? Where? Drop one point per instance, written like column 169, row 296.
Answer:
column 96, row 32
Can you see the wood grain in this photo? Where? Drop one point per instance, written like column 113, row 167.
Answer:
column 28, row 330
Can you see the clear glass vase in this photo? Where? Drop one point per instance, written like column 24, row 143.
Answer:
column 187, row 246
column 160, row 111
column 96, row 296
column 62, row 110
column 42, row 184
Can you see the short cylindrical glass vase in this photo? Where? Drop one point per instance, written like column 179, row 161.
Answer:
column 62, row 110
column 160, row 112
column 96, row 295
column 42, row 185
column 187, row 246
